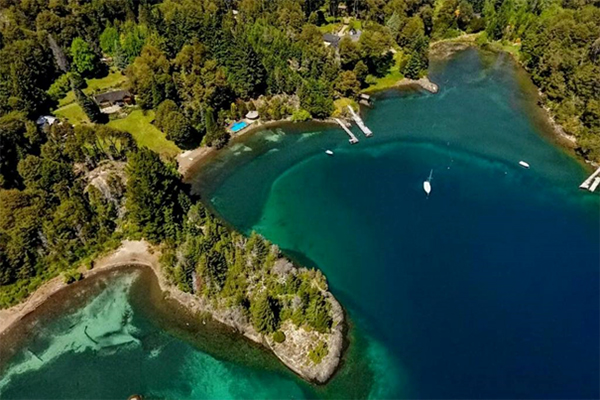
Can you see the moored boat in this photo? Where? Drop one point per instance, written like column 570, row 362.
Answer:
column 427, row 184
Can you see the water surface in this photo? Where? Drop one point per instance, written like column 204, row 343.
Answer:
column 486, row 289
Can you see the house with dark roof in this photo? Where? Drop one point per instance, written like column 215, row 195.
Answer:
column 112, row 102
column 331, row 40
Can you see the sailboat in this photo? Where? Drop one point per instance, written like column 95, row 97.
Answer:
column 427, row 183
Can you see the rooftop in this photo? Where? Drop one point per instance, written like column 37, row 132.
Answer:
column 112, row 97
column 331, row 39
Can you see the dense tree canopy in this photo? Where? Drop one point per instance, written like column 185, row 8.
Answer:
column 200, row 66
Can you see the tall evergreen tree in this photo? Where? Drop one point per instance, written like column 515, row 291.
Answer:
column 263, row 316
column 88, row 105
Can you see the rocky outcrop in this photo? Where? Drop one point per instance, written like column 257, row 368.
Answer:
column 424, row 83
column 294, row 351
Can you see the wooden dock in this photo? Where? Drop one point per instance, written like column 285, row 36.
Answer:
column 360, row 123
column 595, row 184
column 592, row 182
column 353, row 138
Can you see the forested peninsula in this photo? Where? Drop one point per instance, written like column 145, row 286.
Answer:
column 98, row 97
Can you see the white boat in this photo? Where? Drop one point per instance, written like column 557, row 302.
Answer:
column 427, row 183
column 329, row 152
column 524, row 164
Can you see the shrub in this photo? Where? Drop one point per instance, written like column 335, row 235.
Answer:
column 319, row 352
column 279, row 337
column 72, row 276
column 60, row 87
column 300, row 115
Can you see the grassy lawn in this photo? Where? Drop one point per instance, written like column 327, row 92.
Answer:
column 73, row 114
column 332, row 27
column 387, row 81
column 114, row 80
column 341, row 106
column 145, row 134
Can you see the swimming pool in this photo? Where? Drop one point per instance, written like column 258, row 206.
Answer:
column 238, row 126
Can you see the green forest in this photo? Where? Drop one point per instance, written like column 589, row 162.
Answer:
column 198, row 64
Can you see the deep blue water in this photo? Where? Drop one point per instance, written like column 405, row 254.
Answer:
column 489, row 288
column 486, row 289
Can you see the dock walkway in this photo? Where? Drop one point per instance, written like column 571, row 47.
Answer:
column 592, row 182
column 353, row 138
column 595, row 184
column 360, row 123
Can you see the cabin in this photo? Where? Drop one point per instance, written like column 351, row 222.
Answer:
column 364, row 99
column 330, row 39
column 112, row 102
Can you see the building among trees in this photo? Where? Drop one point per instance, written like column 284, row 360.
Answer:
column 111, row 102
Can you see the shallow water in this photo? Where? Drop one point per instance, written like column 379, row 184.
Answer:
column 487, row 289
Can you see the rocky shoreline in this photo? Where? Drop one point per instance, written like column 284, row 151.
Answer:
column 293, row 352
column 424, row 83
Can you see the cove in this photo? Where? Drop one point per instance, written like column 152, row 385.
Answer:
column 488, row 288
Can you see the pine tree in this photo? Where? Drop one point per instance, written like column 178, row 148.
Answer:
column 119, row 56
column 59, row 55
column 413, row 67
column 317, row 314
column 88, row 105
column 263, row 316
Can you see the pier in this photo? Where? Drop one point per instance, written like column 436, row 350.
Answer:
column 592, row 182
column 360, row 123
column 353, row 138
column 595, row 184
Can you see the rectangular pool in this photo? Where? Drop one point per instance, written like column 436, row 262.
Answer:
column 238, row 126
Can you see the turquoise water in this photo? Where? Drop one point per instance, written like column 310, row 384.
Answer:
column 238, row 126
column 487, row 289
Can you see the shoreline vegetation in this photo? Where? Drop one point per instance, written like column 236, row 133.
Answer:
column 294, row 352
column 135, row 253
column 194, row 67
column 446, row 48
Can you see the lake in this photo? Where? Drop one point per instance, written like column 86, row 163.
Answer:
column 488, row 288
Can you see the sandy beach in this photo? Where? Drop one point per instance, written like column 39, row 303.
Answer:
column 130, row 253
column 141, row 253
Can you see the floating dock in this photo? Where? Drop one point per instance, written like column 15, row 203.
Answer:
column 360, row 123
column 353, row 138
column 592, row 182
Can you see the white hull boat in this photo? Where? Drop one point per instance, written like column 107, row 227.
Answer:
column 427, row 184
column 329, row 152
column 524, row 164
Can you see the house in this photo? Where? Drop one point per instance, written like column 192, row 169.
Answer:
column 111, row 102
column 46, row 120
column 331, row 40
